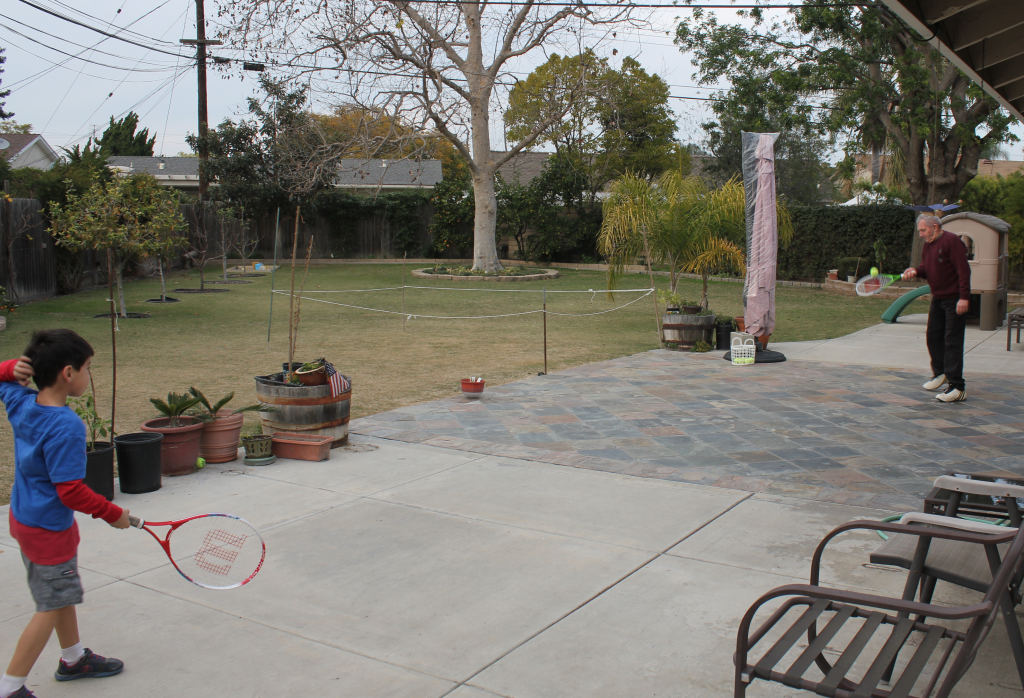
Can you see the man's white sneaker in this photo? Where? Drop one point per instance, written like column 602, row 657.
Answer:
column 935, row 383
column 952, row 395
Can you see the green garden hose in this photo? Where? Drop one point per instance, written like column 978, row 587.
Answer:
column 897, row 517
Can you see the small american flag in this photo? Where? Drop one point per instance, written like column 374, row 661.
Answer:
column 339, row 384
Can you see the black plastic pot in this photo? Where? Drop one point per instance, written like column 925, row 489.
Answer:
column 296, row 365
column 723, row 332
column 138, row 461
column 99, row 469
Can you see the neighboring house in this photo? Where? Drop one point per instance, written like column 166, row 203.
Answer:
column 986, row 168
column 27, row 150
column 178, row 173
column 356, row 175
column 525, row 165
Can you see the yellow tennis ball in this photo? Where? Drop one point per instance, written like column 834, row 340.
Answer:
column 200, row 463
column 874, row 272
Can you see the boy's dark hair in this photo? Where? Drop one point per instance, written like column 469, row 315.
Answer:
column 52, row 350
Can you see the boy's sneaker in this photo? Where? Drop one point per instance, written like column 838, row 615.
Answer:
column 90, row 666
column 23, row 692
column 935, row 383
column 952, row 395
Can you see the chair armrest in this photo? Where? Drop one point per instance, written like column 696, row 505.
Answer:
column 953, row 522
column 991, row 489
column 1001, row 535
column 857, row 598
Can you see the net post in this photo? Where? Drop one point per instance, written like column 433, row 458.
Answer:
column 273, row 271
column 544, row 314
column 404, row 255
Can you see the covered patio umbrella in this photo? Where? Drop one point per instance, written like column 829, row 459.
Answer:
column 762, row 236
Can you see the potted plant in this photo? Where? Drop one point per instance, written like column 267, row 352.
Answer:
column 723, row 331
column 218, row 441
column 671, row 299
column 473, row 388
column 99, row 455
column 179, row 449
column 312, row 373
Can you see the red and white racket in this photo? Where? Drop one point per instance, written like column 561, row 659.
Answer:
column 215, row 551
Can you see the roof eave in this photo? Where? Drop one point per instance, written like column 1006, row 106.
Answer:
column 918, row 25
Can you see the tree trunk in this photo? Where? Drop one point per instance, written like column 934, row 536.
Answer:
column 485, row 249
column 223, row 250
column 704, row 294
column 202, row 276
column 291, row 296
column 120, row 289
column 163, row 285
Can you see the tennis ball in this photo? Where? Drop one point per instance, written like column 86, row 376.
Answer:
column 874, row 272
column 200, row 463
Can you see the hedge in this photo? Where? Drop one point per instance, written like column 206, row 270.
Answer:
column 822, row 235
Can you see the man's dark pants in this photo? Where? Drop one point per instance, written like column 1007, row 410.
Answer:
column 946, row 340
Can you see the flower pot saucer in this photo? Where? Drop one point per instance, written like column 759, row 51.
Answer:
column 269, row 460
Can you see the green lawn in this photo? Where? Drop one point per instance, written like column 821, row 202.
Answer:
column 218, row 342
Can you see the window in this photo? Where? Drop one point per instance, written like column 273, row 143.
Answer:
column 969, row 242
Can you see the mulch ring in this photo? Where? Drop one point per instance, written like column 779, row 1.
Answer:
column 165, row 299
column 202, row 290
column 129, row 316
column 221, row 281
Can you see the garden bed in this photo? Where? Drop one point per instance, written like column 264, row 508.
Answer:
column 466, row 274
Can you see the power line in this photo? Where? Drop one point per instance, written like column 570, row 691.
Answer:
column 98, row 31
column 79, row 57
column 68, row 41
column 98, row 19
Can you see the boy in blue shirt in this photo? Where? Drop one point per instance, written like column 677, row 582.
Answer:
column 49, row 466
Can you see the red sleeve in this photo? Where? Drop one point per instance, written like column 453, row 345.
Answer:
column 7, row 370
column 76, row 495
column 958, row 254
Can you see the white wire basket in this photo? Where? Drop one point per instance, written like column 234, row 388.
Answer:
column 743, row 354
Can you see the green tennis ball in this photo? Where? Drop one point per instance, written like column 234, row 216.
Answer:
column 200, row 463
column 874, row 272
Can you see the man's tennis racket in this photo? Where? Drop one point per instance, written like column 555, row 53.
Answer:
column 215, row 551
column 870, row 285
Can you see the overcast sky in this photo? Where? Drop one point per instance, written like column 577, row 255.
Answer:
column 65, row 97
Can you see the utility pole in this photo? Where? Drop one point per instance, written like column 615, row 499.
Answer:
column 201, row 42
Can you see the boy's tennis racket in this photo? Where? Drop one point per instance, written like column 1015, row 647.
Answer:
column 215, row 551
column 870, row 285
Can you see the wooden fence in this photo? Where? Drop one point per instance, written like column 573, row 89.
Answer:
column 32, row 268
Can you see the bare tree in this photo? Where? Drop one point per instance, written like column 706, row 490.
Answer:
column 436, row 64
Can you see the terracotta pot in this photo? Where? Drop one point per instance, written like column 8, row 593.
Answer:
column 689, row 309
column 179, row 449
column 741, row 324
column 763, row 339
column 219, row 440
column 301, row 446
column 318, row 376
column 472, row 389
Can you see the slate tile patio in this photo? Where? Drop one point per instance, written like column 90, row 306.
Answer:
column 840, row 433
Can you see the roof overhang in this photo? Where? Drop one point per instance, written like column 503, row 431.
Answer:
column 983, row 38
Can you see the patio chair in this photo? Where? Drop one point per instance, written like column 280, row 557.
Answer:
column 866, row 616
column 964, row 564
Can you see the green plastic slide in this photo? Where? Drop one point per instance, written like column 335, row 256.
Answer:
column 900, row 304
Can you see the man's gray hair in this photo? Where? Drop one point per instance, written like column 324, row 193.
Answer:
column 930, row 220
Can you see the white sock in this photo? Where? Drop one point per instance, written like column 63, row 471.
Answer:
column 10, row 685
column 70, row 655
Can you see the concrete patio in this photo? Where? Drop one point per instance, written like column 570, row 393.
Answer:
column 421, row 564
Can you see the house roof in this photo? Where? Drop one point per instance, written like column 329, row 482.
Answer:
column 16, row 143
column 526, row 165
column 353, row 174
column 386, row 174
column 983, row 38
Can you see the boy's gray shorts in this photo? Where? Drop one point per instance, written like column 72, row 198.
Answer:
column 54, row 586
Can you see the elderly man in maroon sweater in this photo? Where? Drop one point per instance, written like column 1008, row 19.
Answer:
column 944, row 266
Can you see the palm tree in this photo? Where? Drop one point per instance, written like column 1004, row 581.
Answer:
column 685, row 223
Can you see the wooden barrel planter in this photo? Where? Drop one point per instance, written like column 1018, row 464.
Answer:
column 304, row 409
column 683, row 331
